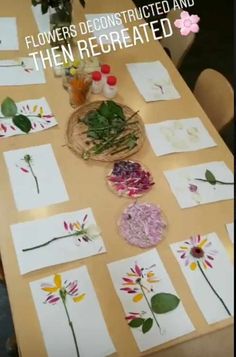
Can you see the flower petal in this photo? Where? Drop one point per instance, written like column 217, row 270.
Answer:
column 178, row 23
column 193, row 266
column 185, row 31
column 57, row 281
column 195, row 19
column 79, row 298
column 138, row 270
column 184, row 15
column 49, row 289
column 137, row 297
column 194, row 28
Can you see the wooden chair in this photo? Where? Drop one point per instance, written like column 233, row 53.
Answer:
column 177, row 45
column 216, row 96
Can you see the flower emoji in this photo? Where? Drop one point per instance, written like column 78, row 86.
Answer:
column 197, row 250
column 187, row 23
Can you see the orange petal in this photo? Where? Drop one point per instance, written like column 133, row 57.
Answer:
column 79, row 298
column 137, row 298
column 150, row 274
column 57, row 281
column 193, row 266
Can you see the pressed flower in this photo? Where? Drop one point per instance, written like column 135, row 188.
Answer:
column 187, row 23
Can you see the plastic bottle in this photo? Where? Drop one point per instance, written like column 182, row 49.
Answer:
column 110, row 88
column 97, row 83
column 105, row 70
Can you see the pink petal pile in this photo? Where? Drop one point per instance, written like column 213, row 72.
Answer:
column 142, row 224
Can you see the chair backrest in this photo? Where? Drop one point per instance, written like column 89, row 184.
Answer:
column 177, row 44
column 216, row 96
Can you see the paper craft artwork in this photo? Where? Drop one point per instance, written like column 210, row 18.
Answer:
column 152, row 308
column 153, row 81
column 58, row 239
column 8, row 34
column 21, row 72
column 200, row 184
column 70, row 316
column 42, row 20
column 209, row 273
column 178, row 136
column 35, row 177
column 29, row 116
column 97, row 33
column 230, row 230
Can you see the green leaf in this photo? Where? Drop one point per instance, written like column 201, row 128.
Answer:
column 44, row 6
column 136, row 323
column 110, row 109
column 164, row 302
column 22, row 122
column 147, row 325
column 210, row 177
column 8, row 107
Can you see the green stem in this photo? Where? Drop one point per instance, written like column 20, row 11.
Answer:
column 34, row 176
column 149, row 305
column 11, row 65
column 212, row 288
column 216, row 181
column 108, row 127
column 71, row 326
column 53, row 240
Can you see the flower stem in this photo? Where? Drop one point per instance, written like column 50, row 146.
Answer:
column 11, row 65
column 71, row 326
column 50, row 241
column 34, row 176
column 28, row 115
column 149, row 305
column 214, row 291
column 217, row 181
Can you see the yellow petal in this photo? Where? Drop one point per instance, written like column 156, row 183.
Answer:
column 41, row 111
column 150, row 274
column 35, row 108
column 79, row 298
column 130, row 274
column 153, row 281
column 201, row 245
column 57, row 281
column 137, row 298
column 184, row 248
column 50, row 290
column 193, row 266
column 77, row 226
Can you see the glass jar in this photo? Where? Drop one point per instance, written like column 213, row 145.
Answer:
column 79, row 89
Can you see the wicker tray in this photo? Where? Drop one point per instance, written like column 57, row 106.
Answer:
column 78, row 142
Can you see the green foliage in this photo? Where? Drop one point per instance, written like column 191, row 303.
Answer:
column 147, row 325
column 210, row 177
column 163, row 302
column 22, row 122
column 136, row 323
column 8, row 107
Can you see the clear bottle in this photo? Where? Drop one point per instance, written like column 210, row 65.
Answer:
column 97, row 83
column 110, row 88
column 105, row 70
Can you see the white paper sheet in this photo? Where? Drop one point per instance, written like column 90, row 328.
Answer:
column 152, row 270
column 220, row 276
column 27, row 193
column 42, row 20
column 8, row 34
column 21, row 72
column 230, row 230
column 190, row 192
column 90, row 329
column 36, row 110
column 30, row 234
column 153, row 81
column 178, row 136
column 100, row 21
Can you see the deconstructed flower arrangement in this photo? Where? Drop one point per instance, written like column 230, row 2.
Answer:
column 20, row 64
column 211, row 179
column 142, row 224
column 197, row 253
column 22, row 120
column 76, row 230
column 29, row 169
column 110, row 130
column 129, row 179
column 60, row 293
column 139, row 284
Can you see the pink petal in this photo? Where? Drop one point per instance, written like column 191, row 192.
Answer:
column 178, row 23
column 185, row 31
column 128, row 280
column 138, row 270
column 65, row 226
column 195, row 19
column 184, row 15
column 194, row 28
column 24, row 170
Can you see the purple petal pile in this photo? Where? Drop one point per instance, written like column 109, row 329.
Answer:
column 142, row 224
column 128, row 178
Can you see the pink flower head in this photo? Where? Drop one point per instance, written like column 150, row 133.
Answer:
column 187, row 23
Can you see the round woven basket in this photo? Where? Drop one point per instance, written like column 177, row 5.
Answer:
column 79, row 143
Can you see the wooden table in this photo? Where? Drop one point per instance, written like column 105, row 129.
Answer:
column 86, row 187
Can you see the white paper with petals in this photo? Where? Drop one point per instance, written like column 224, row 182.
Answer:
column 32, row 109
column 153, row 81
column 180, row 135
column 169, row 322
column 88, row 322
column 33, row 233
column 42, row 20
column 230, row 230
column 221, row 277
column 180, row 181
column 8, row 34
column 13, row 74
column 51, row 185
